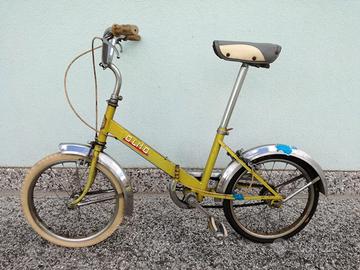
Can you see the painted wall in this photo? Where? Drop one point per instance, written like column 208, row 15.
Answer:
column 175, row 89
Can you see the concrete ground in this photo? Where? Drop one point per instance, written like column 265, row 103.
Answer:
column 162, row 236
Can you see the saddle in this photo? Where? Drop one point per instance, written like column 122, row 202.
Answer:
column 254, row 54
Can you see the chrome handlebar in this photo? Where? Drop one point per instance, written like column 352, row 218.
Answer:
column 108, row 50
column 118, row 81
column 112, row 37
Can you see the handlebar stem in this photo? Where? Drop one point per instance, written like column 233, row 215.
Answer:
column 118, row 81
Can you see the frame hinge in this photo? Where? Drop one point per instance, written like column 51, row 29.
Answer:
column 177, row 172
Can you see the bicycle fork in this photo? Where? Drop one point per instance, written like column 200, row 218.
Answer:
column 99, row 144
column 90, row 180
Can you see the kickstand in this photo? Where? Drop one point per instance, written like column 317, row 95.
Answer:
column 216, row 227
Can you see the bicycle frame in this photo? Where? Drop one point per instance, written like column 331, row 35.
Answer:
column 200, row 187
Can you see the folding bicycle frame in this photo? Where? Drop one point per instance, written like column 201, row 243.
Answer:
column 200, row 187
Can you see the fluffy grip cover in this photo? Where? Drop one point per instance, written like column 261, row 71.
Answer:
column 129, row 30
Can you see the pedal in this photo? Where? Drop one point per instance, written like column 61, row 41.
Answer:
column 216, row 227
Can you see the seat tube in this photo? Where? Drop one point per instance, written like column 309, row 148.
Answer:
column 234, row 95
column 223, row 126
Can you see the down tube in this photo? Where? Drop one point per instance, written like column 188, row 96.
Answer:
column 150, row 154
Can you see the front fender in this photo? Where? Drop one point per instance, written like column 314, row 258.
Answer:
column 272, row 149
column 109, row 163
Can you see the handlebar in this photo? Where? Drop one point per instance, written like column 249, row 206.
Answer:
column 112, row 36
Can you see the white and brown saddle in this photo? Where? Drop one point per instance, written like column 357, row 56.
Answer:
column 255, row 54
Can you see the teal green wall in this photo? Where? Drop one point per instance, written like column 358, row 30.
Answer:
column 175, row 89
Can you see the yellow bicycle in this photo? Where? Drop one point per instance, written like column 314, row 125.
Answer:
column 78, row 196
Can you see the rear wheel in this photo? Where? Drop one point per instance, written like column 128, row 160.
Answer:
column 57, row 180
column 262, row 221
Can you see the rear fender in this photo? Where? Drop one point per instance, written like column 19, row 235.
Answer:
column 271, row 149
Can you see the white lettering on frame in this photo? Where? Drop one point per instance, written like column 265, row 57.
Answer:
column 140, row 146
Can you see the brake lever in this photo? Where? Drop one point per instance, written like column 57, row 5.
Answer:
column 113, row 47
column 120, row 47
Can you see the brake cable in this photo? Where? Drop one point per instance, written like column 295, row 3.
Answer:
column 95, row 87
column 67, row 94
column 77, row 114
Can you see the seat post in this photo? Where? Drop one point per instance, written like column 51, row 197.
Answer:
column 234, row 95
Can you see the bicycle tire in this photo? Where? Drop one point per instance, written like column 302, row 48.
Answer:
column 248, row 230
column 37, row 187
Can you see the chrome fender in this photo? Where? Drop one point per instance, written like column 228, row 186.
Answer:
column 109, row 163
column 271, row 149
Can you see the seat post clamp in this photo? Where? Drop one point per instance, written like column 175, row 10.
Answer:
column 223, row 131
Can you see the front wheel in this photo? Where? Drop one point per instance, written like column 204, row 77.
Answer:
column 263, row 221
column 54, row 182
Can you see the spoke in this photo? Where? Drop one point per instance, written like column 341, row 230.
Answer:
column 64, row 189
column 83, row 174
column 242, row 185
column 85, row 168
column 290, row 181
column 249, row 204
column 59, row 181
column 279, row 216
column 265, row 170
column 296, row 211
column 263, row 209
column 244, row 217
column 77, row 175
column 63, row 200
column 272, row 169
column 282, row 174
column 296, row 185
column 51, row 169
column 266, row 219
column 53, row 202
column 95, row 201
column 79, row 215
column 95, row 192
column 61, row 186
